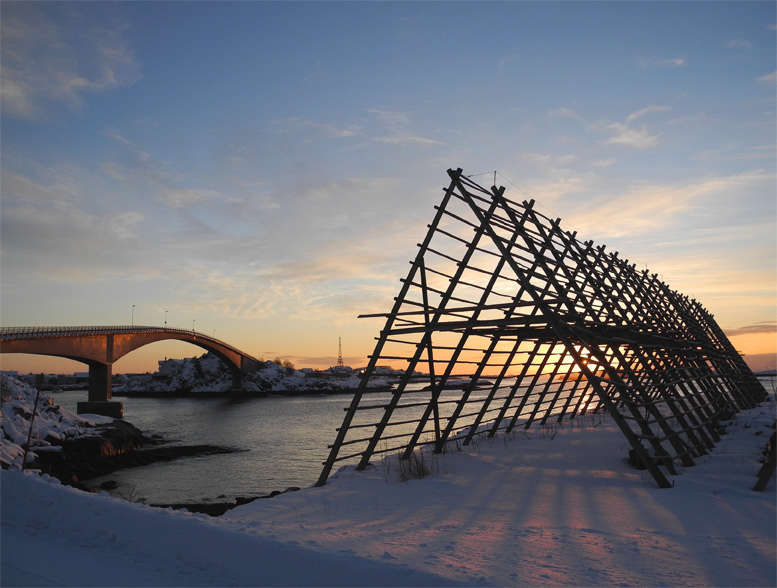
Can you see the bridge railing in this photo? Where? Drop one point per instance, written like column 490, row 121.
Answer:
column 16, row 333
column 33, row 332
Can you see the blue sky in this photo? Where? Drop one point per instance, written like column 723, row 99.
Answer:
column 264, row 170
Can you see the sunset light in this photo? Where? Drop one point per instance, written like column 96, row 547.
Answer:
column 388, row 293
column 264, row 170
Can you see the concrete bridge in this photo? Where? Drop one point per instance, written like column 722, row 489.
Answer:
column 100, row 347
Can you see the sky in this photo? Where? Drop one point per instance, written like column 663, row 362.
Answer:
column 262, row 171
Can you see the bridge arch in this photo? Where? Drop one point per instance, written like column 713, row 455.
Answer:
column 100, row 347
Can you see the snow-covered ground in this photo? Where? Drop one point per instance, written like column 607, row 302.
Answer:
column 550, row 507
column 208, row 374
column 51, row 426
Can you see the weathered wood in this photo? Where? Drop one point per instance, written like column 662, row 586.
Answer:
column 770, row 462
column 329, row 463
column 498, row 280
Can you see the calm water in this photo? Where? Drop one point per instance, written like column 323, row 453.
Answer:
column 283, row 441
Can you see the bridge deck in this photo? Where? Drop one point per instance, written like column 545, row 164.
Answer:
column 100, row 346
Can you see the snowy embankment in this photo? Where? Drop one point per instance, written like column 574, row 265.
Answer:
column 51, row 427
column 208, row 374
column 547, row 507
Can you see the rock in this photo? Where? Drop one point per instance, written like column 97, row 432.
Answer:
column 115, row 438
column 216, row 509
column 113, row 447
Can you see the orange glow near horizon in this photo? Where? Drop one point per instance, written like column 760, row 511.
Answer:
column 755, row 344
column 759, row 350
column 760, row 353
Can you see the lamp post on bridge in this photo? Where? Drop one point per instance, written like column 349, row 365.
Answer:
column 193, row 325
column 133, row 316
column 165, row 319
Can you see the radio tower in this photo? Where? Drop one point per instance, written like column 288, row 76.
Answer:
column 340, row 351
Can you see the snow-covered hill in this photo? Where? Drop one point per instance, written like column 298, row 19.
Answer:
column 208, row 374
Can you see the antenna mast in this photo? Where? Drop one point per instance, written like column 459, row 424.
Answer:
column 339, row 351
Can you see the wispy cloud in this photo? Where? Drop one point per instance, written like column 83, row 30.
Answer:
column 505, row 61
column 737, row 152
column 625, row 135
column 311, row 207
column 405, row 139
column 317, row 257
column 756, row 329
column 547, row 158
column 390, row 118
column 185, row 197
column 643, row 208
column 647, row 110
column 400, row 129
column 45, row 65
column 323, row 129
column 54, row 225
column 138, row 154
column 551, row 192
column 738, row 44
column 564, row 112
column 286, row 250
column 331, row 280
column 621, row 134
column 654, row 62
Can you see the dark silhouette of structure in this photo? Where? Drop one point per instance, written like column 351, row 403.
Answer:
column 515, row 321
column 100, row 347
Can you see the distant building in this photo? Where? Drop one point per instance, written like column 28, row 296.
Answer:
column 340, row 371
column 384, row 370
column 170, row 367
column 76, row 378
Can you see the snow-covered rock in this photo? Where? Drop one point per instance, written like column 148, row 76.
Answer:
column 51, row 427
column 208, row 374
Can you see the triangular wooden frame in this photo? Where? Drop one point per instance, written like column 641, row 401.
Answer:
column 505, row 320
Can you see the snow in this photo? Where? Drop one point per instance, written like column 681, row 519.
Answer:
column 208, row 374
column 52, row 424
column 555, row 506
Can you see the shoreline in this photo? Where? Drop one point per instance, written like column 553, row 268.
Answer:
column 216, row 509
column 122, row 446
column 238, row 393
column 84, row 459
column 79, row 470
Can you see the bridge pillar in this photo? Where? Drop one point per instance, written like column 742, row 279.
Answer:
column 237, row 380
column 100, row 382
column 100, row 375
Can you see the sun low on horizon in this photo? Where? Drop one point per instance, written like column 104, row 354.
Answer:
column 262, row 172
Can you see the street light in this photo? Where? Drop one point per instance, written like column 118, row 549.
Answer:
column 165, row 319
column 193, row 325
column 133, row 315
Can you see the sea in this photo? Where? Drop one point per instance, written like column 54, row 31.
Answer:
column 281, row 442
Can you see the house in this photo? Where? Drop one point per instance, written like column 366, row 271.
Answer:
column 170, row 367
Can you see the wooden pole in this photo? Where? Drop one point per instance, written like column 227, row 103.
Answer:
column 32, row 420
